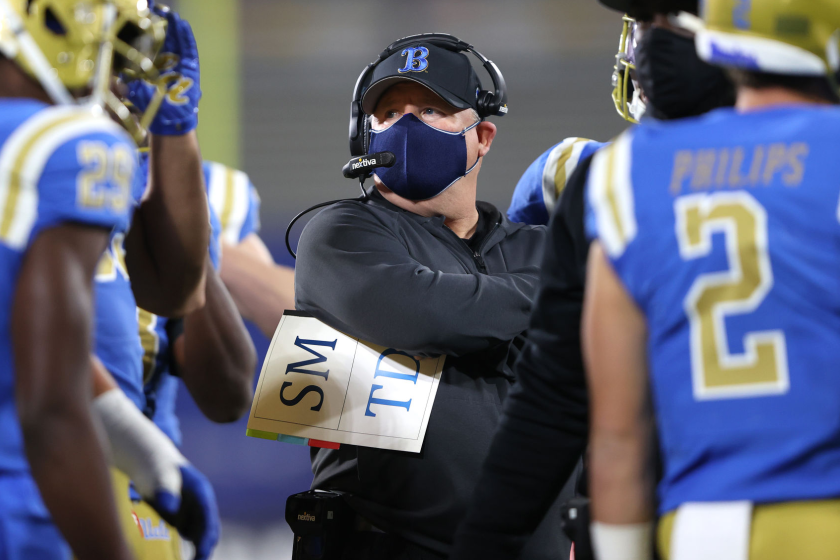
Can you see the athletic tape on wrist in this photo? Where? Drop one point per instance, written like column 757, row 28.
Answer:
column 138, row 447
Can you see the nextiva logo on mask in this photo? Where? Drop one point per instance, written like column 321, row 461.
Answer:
column 416, row 60
column 429, row 160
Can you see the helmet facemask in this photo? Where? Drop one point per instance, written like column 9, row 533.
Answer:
column 626, row 94
column 138, row 37
column 75, row 48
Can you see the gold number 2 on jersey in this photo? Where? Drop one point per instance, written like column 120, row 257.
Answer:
column 717, row 373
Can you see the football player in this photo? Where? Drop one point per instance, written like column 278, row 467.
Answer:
column 733, row 337
column 159, row 263
column 673, row 83
column 66, row 175
column 539, row 189
column 543, row 432
column 261, row 288
column 209, row 349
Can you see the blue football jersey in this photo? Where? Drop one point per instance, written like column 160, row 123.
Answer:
column 235, row 201
column 116, row 342
column 57, row 164
column 540, row 187
column 240, row 204
column 739, row 213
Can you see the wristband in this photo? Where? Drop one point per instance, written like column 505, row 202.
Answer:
column 622, row 542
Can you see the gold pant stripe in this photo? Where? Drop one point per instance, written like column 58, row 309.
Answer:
column 133, row 515
column 783, row 531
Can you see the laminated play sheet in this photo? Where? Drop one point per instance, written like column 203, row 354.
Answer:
column 322, row 385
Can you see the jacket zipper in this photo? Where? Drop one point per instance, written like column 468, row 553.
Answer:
column 476, row 255
column 479, row 260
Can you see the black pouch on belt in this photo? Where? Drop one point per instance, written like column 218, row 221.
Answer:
column 322, row 523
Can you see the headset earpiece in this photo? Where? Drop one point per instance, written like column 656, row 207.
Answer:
column 357, row 129
column 486, row 104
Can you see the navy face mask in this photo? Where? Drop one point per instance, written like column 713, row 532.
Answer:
column 429, row 160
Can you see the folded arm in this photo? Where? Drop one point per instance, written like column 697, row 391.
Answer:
column 354, row 274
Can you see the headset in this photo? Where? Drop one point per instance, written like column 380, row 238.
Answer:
column 489, row 103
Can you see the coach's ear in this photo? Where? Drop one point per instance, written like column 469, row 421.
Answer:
column 486, row 132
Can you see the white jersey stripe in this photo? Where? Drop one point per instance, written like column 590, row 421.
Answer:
column 549, row 186
column 230, row 197
column 22, row 163
column 610, row 194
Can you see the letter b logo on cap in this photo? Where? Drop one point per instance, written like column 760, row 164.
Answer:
column 415, row 60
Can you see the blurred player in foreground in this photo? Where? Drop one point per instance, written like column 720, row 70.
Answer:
column 209, row 349
column 733, row 336
column 543, row 431
column 166, row 248
column 58, row 204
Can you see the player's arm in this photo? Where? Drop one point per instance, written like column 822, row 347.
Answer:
column 621, row 473
column 51, row 326
column 168, row 240
column 261, row 289
column 215, row 355
column 346, row 255
column 167, row 243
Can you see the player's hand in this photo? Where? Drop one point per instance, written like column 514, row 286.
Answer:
column 180, row 78
column 194, row 513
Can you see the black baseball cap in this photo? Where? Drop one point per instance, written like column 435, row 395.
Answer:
column 446, row 72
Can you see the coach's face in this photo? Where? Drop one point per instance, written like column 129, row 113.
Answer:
column 429, row 107
column 411, row 97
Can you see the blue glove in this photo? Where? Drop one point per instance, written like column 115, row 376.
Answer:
column 194, row 513
column 180, row 77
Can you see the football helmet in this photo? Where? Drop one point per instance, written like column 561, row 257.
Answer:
column 70, row 46
column 625, row 93
column 773, row 36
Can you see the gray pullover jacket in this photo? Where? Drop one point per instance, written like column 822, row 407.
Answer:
column 394, row 278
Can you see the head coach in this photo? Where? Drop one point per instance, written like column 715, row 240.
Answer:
column 419, row 265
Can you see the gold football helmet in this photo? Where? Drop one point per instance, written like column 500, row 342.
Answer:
column 773, row 36
column 75, row 47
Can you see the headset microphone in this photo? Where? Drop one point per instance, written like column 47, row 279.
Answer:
column 364, row 166
column 357, row 168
